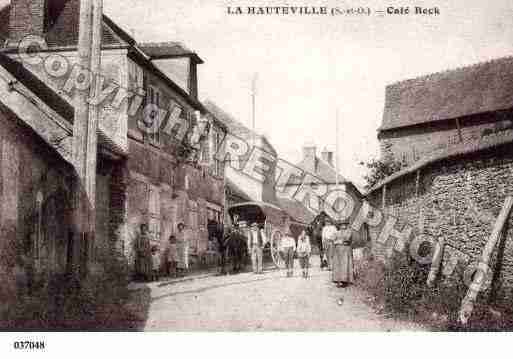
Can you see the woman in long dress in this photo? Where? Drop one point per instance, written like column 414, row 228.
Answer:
column 143, row 264
column 182, row 247
column 343, row 272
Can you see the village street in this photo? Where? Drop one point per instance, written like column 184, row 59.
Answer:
column 248, row 302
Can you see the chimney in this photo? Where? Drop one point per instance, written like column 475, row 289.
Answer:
column 27, row 17
column 193, row 79
column 327, row 156
column 309, row 154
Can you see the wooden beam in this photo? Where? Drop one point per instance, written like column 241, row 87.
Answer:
column 467, row 305
column 384, row 196
column 417, row 183
column 458, row 126
column 436, row 262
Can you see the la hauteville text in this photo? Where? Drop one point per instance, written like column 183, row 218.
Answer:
column 277, row 10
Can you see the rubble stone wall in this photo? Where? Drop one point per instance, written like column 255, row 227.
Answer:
column 458, row 199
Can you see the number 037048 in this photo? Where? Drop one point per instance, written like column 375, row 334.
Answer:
column 29, row 345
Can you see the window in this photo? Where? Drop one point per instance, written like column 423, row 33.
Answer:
column 218, row 165
column 205, row 153
column 38, row 230
column 154, row 212
column 153, row 96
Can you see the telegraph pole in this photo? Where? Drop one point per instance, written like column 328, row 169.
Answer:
column 336, row 149
column 253, row 106
column 336, row 156
column 85, row 128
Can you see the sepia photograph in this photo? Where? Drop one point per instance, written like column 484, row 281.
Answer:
column 228, row 166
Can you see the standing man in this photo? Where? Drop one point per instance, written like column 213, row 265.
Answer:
column 236, row 248
column 182, row 246
column 256, row 245
column 328, row 237
column 288, row 248
column 222, row 247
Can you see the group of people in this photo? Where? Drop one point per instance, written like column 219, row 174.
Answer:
column 236, row 245
column 337, row 253
column 335, row 249
column 153, row 259
column 302, row 249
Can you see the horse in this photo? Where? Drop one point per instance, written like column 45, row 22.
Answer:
column 236, row 244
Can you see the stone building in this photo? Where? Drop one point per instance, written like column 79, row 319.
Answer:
column 442, row 109
column 240, row 184
column 321, row 171
column 456, row 187
column 37, row 182
column 159, row 177
column 241, row 187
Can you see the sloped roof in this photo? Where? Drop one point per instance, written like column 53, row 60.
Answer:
column 51, row 98
column 236, row 190
column 296, row 210
column 486, row 143
column 465, row 91
column 235, row 127
column 39, row 88
column 323, row 170
column 166, row 50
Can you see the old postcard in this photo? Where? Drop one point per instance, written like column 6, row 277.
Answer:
column 243, row 166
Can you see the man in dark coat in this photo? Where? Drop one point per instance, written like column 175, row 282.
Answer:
column 222, row 247
column 316, row 233
column 237, row 248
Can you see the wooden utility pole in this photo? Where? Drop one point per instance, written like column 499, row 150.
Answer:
column 85, row 125
column 253, row 107
column 467, row 305
column 336, row 156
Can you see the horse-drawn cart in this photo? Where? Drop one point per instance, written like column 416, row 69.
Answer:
column 275, row 222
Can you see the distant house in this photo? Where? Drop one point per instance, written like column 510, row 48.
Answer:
column 322, row 171
column 436, row 111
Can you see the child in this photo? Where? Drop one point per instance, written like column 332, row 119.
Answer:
column 303, row 252
column 288, row 247
column 155, row 260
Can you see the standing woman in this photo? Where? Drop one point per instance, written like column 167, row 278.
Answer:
column 143, row 263
column 182, row 247
column 343, row 271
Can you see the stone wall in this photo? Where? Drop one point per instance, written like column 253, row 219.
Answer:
column 458, row 199
column 163, row 193
column 35, row 205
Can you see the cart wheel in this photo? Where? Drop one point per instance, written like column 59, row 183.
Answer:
column 278, row 259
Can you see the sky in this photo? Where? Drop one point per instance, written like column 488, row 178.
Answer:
column 311, row 67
